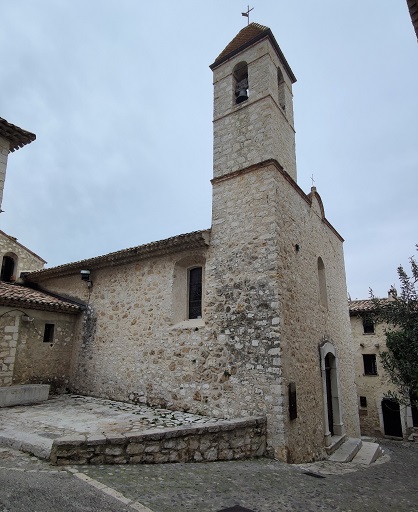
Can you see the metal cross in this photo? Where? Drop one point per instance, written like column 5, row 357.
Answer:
column 313, row 181
column 247, row 13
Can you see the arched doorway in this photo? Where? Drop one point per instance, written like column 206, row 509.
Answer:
column 333, row 422
column 391, row 418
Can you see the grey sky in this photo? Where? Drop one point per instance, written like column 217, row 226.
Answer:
column 119, row 94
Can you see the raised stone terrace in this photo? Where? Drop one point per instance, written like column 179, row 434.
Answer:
column 73, row 429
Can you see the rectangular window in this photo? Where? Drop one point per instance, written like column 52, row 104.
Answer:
column 368, row 325
column 363, row 401
column 195, row 292
column 49, row 333
column 370, row 366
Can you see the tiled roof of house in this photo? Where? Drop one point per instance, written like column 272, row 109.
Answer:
column 16, row 136
column 361, row 306
column 413, row 11
column 188, row 241
column 246, row 37
column 16, row 295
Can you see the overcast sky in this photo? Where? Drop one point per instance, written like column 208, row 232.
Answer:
column 119, row 94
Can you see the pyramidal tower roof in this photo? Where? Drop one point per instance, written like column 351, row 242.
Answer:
column 248, row 36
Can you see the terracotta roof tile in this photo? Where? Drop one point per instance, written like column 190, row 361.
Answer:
column 246, row 37
column 20, row 296
column 361, row 306
column 16, row 136
column 188, row 241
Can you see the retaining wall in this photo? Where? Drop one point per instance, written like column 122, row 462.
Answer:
column 228, row 440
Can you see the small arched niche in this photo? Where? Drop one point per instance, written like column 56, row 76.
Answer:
column 240, row 75
column 281, row 89
column 9, row 267
column 322, row 283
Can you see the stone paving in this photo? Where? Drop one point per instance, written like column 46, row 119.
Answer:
column 36, row 426
column 260, row 485
column 263, row 485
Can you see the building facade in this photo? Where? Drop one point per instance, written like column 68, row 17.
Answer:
column 379, row 416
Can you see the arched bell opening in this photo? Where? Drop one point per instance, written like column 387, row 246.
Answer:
column 241, row 82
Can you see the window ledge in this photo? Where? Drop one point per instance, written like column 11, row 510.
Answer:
column 190, row 324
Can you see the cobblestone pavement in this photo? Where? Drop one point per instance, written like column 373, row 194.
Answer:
column 66, row 414
column 265, row 485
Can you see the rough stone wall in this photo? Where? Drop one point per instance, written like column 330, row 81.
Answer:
column 4, row 152
column 9, row 332
column 226, row 440
column 243, row 296
column 26, row 260
column 260, row 128
column 25, row 358
column 306, row 323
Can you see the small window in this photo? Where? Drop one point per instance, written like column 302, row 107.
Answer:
column 195, row 292
column 7, row 269
column 363, row 401
column 368, row 325
column 49, row 333
column 370, row 366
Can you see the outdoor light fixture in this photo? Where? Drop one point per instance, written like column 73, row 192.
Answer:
column 85, row 275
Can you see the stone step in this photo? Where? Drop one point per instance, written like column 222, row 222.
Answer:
column 347, row 451
column 368, row 453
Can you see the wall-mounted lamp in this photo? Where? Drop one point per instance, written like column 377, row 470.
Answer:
column 362, row 345
column 377, row 345
column 85, row 276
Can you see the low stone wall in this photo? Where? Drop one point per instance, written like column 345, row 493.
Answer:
column 226, row 440
column 24, row 394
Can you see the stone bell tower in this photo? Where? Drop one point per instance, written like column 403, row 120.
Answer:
column 275, row 293
column 253, row 104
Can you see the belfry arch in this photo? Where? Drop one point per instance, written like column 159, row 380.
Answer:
column 333, row 416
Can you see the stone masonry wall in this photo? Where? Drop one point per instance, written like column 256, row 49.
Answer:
column 41, row 362
column 26, row 260
column 306, row 323
column 9, row 329
column 25, row 358
column 226, row 440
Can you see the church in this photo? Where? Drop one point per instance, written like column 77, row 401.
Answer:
column 247, row 318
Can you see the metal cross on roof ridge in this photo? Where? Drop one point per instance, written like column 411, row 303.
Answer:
column 247, row 13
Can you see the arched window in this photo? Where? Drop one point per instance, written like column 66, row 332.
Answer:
column 8, row 269
column 241, row 82
column 281, row 87
column 323, row 299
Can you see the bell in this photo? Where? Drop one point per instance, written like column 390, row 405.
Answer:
column 241, row 96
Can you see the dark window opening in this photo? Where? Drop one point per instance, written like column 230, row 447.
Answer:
column 7, row 269
column 195, row 293
column 368, row 325
column 49, row 333
column 363, row 401
column 370, row 366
